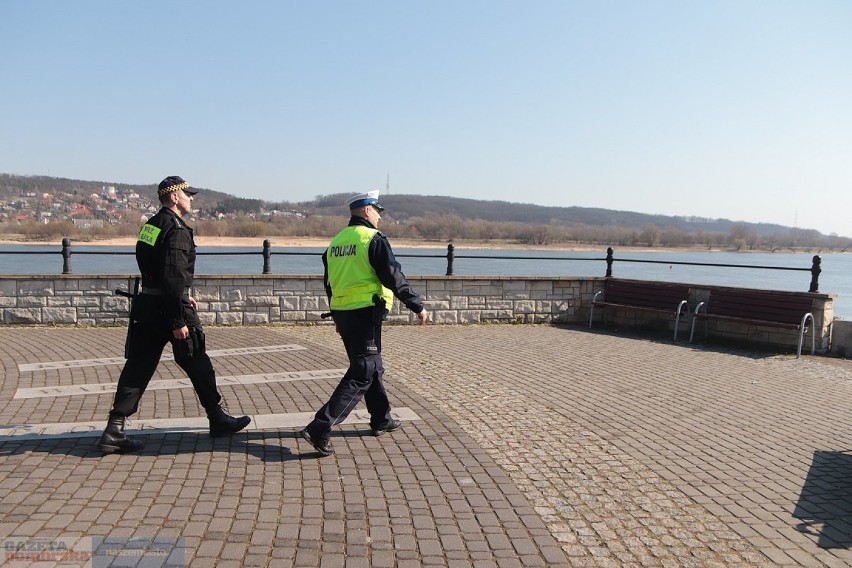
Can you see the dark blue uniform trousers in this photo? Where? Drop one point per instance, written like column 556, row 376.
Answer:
column 362, row 338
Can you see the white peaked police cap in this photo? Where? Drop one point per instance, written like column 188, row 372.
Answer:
column 362, row 199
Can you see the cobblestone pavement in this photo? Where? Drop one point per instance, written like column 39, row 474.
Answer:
column 533, row 446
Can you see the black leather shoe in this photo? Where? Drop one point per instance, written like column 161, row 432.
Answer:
column 321, row 445
column 391, row 426
column 223, row 424
column 114, row 440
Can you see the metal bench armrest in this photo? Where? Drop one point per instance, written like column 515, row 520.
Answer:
column 802, row 334
column 594, row 301
column 683, row 306
column 695, row 317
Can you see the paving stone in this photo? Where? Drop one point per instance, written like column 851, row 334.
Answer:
column 536, row 446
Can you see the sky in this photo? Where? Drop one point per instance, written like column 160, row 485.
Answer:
column 724, row 109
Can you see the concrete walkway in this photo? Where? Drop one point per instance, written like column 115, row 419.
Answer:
column 522, row 446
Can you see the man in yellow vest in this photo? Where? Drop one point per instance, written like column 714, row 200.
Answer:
column 362, row 276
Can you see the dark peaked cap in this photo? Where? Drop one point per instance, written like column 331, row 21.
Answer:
column 174, row 183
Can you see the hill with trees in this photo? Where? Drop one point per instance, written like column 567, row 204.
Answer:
column 46, row 207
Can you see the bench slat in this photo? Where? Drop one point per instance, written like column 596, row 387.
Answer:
column 645, row 294
column 759, row 306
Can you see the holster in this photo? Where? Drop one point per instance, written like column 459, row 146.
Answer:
column 183, row 349
column 193, row 345
column 380, row 312
column 199, row 342
column 131, row 324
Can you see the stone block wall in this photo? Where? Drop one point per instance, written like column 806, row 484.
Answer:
column 841, row 338
column 255, row 300
column 85, row 300
column 273, row 299
column 55, row 300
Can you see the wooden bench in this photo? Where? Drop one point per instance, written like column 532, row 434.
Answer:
column 761, row 307
column 662, row 297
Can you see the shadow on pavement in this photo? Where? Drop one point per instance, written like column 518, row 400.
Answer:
column 715, row 344
column 268, row 446
column 825, row 502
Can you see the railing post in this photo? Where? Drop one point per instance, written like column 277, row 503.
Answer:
column 267, row 257
column 815, row 270
column 66, row 256
column 609, row 260
column 450, row 256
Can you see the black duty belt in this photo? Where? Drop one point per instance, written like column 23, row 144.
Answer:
column 159, row 292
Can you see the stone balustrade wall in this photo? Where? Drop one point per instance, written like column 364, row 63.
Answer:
column 88, row 300
column 273, row 299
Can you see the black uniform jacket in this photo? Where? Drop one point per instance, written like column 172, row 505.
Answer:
column 387, row 268
column 168, row 266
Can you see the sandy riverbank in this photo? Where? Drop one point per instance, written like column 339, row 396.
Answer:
column 200, row 241
column 322, row 242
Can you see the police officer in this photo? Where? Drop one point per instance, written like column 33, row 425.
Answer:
column 361, row 279
column 163, row 313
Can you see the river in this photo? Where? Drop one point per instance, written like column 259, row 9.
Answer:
column 834, row 279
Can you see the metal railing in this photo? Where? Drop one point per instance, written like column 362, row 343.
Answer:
column 267, row 253
column 815, row 268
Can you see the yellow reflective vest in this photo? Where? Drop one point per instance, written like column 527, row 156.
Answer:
column 353, row 280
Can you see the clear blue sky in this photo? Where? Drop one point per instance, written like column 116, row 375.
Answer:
column 737, row 109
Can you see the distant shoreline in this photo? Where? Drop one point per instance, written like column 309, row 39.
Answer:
column 322, row 242
column 317, row 242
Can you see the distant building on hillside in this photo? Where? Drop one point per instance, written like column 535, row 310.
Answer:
column 88, row 223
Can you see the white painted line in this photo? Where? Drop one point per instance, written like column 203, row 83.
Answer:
column 63, row 430
column 76, row 363
column 225, row 380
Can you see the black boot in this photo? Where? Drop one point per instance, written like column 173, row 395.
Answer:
column 223, row 424
column 114, row 440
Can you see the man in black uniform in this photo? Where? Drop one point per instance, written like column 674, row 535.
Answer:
column 165, row 312
column 361, row 279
